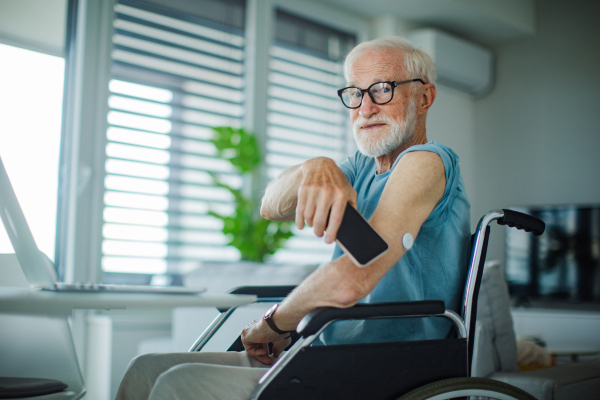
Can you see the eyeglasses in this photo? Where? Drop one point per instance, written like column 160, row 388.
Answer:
column 379, row 92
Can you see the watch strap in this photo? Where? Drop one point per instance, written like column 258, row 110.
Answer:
column 269, row 320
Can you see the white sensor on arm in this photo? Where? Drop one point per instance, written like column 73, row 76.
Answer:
column 407, row 241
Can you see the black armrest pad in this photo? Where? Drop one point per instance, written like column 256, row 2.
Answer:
column 264, row 291
column 316, row 319
column 13, row 388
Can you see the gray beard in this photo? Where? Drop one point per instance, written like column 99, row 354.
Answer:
column 399, row 133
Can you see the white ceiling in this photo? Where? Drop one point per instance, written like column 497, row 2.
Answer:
column 40, row 23
column 482, row 21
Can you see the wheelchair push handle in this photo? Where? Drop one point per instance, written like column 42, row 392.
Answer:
column 515, row 219
column 316, row 319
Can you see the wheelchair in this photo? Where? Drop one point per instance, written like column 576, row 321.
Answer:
column 414, row 370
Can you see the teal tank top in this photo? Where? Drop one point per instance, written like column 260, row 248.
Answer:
column 434, row 268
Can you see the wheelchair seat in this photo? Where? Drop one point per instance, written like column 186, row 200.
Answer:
column 427, row 369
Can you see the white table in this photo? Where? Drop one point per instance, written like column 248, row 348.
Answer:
column 19, row 300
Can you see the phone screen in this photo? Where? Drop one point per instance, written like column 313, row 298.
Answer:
column 358, row 239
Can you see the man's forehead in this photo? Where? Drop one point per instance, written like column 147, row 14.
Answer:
column 364, row 79
column 376, row 66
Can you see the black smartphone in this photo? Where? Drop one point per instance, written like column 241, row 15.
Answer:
column 358, row 239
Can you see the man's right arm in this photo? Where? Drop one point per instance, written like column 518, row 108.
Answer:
column 314, row 193
column 281, row 195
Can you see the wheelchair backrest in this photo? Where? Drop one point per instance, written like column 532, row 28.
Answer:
column 479, row 243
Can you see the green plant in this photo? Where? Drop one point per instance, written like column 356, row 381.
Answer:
column 254, row 236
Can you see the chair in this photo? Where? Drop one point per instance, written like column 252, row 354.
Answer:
column 431, row 369
column 37, row 355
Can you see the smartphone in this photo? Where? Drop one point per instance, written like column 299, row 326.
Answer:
column 358, row 239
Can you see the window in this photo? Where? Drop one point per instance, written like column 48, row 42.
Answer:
column 174, row 76
column 30, row 132
column 305, row 117
column 142, row 189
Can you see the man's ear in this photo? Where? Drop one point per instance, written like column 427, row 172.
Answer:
column 426, row 97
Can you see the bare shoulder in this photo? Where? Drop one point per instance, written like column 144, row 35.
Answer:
column 421, row 158
column 421, row 164
column 419, row 179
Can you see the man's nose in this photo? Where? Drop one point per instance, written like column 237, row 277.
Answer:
column 367, row 108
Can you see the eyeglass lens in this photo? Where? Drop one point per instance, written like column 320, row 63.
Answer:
column 380, row 92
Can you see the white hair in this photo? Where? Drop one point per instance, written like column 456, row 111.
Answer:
column 417, row 62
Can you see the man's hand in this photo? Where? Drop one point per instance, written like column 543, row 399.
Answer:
column 256, row 338
column 323, row 192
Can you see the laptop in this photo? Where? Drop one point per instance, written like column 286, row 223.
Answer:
column 38, row 268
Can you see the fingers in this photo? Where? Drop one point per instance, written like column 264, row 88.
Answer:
column 260, row 351
column 309, row 209
column 280, row 346
column 305, row 208
column 324, row 189
column 313, row 210
column 253, row 344
column 321, row 212
column 335, row 220
column 300, row 206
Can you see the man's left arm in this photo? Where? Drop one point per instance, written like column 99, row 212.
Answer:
column 413, row 190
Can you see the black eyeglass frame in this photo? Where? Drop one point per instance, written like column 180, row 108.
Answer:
column 368, row 90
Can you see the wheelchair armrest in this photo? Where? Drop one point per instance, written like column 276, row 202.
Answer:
column 262, row 292
column 316, row 319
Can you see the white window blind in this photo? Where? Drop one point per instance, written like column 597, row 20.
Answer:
column 305, row 117
column 175, row 76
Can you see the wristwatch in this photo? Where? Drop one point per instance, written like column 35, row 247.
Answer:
column 269, row 320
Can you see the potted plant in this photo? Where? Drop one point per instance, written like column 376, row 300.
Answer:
column 254, row 236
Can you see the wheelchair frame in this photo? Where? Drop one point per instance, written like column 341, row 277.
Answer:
column 278, row 383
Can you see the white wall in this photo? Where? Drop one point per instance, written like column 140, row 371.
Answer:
column 537, row 135
column 450, row 122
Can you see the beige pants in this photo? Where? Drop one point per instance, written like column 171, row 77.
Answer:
column 191, row 376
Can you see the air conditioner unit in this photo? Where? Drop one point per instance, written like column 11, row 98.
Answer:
column 459, row 64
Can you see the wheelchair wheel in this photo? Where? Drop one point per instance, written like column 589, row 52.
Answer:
column 473, row 388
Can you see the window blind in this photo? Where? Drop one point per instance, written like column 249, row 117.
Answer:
column 305, row 118
column 174, row 76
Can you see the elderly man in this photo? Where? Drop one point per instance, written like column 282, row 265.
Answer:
column 400, row 182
